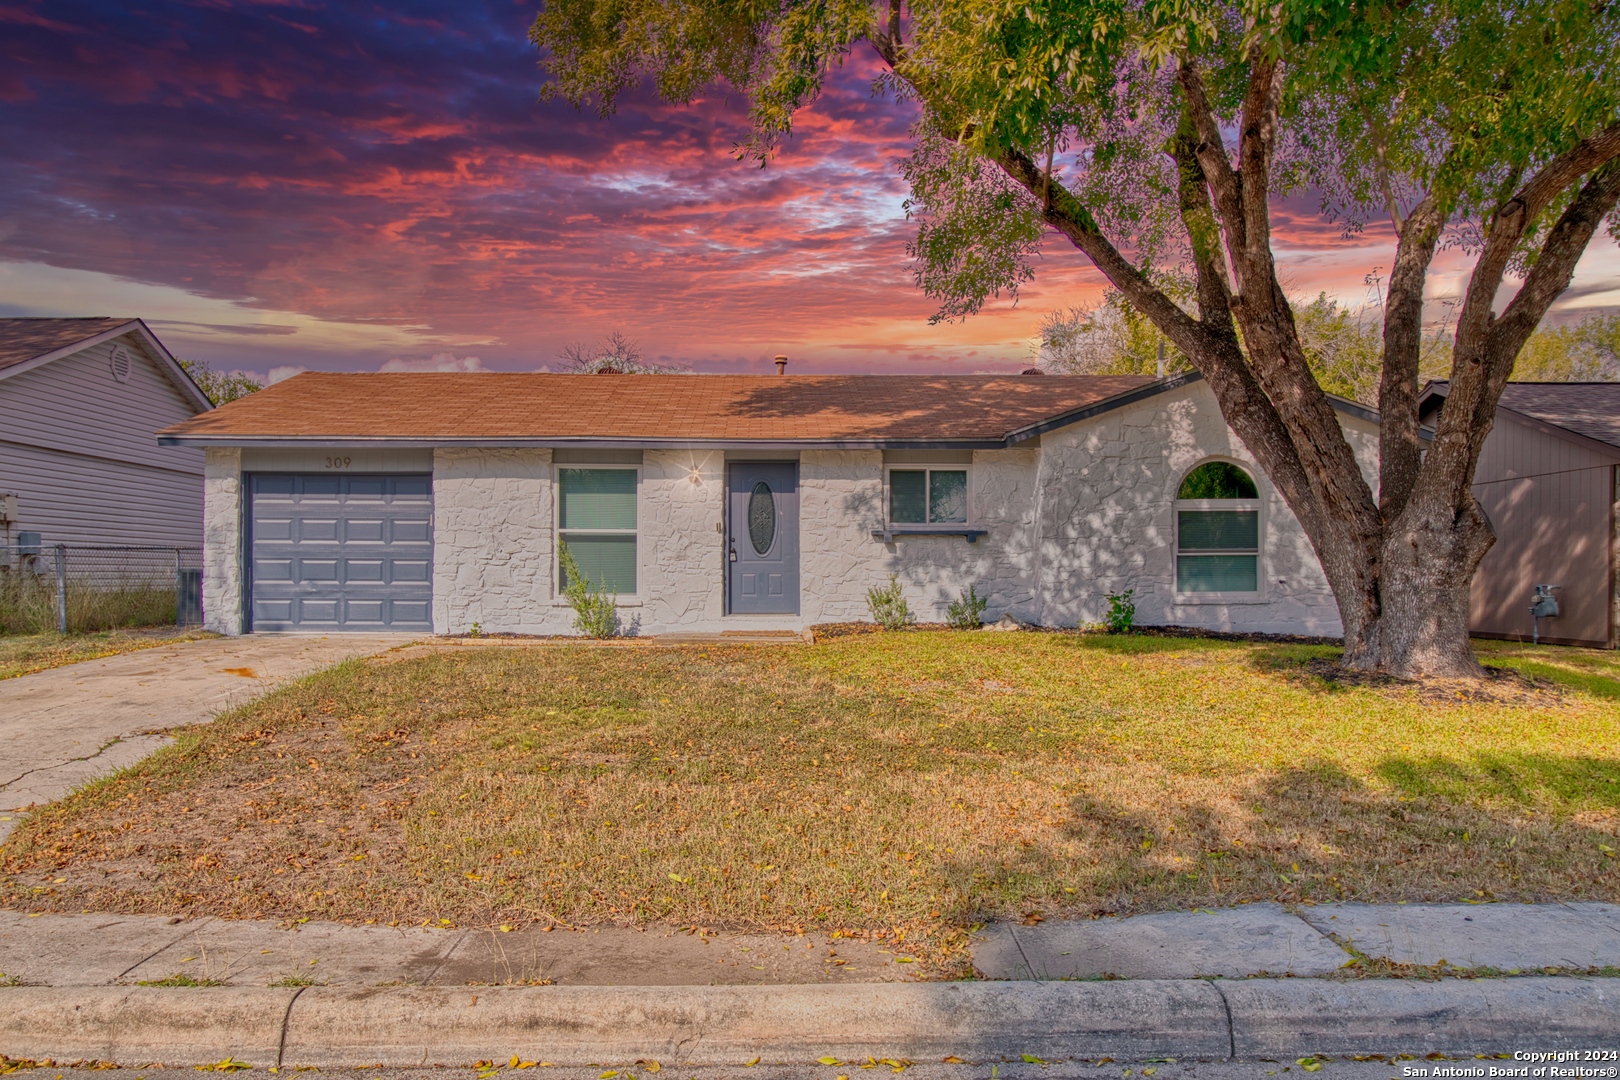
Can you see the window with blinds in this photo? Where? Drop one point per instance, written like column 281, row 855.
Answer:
column 1218, row 531
column 596, row 518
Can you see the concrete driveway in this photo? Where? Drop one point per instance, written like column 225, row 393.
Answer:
column 62, row 727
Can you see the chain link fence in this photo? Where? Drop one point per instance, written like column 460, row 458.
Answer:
column 82, row 588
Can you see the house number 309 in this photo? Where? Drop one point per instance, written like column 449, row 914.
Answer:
column 337, row 463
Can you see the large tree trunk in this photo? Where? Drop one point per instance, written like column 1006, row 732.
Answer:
column 1427, row 569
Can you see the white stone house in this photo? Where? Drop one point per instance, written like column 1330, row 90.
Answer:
column 438, row 502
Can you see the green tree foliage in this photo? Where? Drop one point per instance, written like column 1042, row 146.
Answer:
column 220, row 387
column 1152, row 137
column 1586, row 351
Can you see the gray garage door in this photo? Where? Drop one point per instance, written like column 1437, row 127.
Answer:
column 341, row 552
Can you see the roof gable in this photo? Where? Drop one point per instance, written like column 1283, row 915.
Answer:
column 27, row 343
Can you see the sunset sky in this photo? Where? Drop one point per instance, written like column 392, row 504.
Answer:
column 295, row 184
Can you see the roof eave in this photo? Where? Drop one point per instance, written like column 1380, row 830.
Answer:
column 353, row 442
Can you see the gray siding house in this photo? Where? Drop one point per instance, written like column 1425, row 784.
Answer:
column 1548, row 477
column 80, row 401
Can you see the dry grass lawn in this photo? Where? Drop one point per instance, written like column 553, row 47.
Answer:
column 910, row 782
column 24, row 654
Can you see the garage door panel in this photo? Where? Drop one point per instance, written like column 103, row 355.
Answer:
column 413, row 489
column 366, row 610
column 324, row 488
column 272, row 570
column 363, row 570
column 317, row 570
column 272, row 611
column 316, row 530
column 318, row 610
column 274, row 528
column 410, row 611
column 410, row 530
column 364, row 530
column 333, row 553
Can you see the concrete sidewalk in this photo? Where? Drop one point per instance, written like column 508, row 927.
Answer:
column 63, row 727
column 1252, row 941
column 139, row 989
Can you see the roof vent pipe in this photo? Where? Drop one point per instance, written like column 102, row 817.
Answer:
column 781, row 364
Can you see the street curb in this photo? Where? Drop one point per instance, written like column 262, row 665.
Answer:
column 729, row 1025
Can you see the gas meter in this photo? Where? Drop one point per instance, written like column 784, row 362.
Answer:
column 1543, row 605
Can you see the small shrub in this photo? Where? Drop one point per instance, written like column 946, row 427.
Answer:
column 966, row 613
column 888, row 605
column 595, row 612
column 1121, row 612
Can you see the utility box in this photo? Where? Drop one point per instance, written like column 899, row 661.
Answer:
column 28, row 543
column 8, row 508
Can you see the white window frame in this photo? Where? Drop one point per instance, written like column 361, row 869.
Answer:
column 557, row 530
column 930, row 468
column 1256, row 505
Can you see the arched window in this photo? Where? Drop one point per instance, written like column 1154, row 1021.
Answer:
column 1218, row 531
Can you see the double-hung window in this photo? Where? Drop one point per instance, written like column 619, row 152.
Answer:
column 1218, row 531
column 928, row 496
column 596, row 517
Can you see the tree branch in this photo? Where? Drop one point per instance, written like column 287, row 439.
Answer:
column 1507, row 227
column 1203, row 230
column 1482, row 364
column 1400, row 450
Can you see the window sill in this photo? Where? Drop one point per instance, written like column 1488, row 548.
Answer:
column 623, row 601
column 1224, row 599
column 889, row 534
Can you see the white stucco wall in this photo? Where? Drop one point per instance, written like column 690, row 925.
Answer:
column 222, row 540
column 493, row 541
column 1107, row 495
column 680, row 545
column 1086, row 511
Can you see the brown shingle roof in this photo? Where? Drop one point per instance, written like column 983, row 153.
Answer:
column 1586, row 408
column 1590, row 409
column 462, row 407
column 23, row 339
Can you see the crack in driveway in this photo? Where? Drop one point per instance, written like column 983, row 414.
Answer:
column 87, row 757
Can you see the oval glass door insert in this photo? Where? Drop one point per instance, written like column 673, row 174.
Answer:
column 761, row 517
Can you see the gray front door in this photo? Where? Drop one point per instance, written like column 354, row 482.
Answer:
column 335, row 552
column 763, row 542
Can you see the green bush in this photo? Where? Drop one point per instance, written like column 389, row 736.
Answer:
column 966, row 613
column 1121, row 612
column 888, row 605
column 596, row 614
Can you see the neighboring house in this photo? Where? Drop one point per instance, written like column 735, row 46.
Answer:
column 80, row 400
column 1547, row 478
column 714, row 502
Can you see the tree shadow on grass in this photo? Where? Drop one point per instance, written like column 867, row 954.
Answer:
column 1519, row 827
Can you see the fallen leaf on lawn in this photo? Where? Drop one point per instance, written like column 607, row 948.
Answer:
column 753, row 1062
column 1309, row 1064
column 1032, row 1059
column 952, row 1060
column 677, row 879
column 651, row 1066
column 827, row 1060
column 609, row 1075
